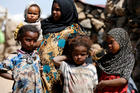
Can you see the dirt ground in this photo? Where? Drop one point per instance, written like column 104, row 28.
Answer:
column 5, row 85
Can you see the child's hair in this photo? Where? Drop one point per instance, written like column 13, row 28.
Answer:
column 26, row 10
column 24, row 29
column 77, row 40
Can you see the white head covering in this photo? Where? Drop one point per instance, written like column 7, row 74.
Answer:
column 28, row 6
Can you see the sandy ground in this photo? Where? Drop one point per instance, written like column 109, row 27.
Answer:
column 5, row 85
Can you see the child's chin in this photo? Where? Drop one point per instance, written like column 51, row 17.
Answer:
column 79, row 63
column 30, row 50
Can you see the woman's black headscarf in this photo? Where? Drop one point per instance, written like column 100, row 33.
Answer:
column 68, row 16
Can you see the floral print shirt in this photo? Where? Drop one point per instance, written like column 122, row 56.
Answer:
column 25, row 71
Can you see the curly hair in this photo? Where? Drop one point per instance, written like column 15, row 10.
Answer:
column 77, row 40
column 24, row 29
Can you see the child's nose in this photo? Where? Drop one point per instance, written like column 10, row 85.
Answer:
column 109, row 45
column 32, row 43
column 32, row 15
column 79, row 56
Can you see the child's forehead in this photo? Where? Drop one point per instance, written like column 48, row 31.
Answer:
column 30, row 35
column 28, row 32
column 80, row 48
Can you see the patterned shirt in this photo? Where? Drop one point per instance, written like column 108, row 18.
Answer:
column 25, row 71
column 81, row 79
column 52, row 46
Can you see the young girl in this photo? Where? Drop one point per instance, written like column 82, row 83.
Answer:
column 32, row 17
column 56, row 29
column 25, row 63
column 116, row 66
column 79, row 76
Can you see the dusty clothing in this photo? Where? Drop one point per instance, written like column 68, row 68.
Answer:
column 81, row 79
column 25, row 71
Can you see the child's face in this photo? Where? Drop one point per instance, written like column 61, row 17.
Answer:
column 79, row 54
column 33, row 14
column 113, row 45
column 56, row 12
column 29, row 40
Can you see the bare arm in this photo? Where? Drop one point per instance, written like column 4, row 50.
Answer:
column 6, row 75
column 114, row 82
column 57, row 60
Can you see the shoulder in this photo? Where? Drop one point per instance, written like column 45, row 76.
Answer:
column 65, row 64
column 75, row 26
column 9, row 58
column 92, row 67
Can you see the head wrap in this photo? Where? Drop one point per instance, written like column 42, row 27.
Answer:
column 122, row 62
column 26, row 11
column 26, row 22
column 68, row 16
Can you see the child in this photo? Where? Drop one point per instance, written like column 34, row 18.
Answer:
column 32, row 17
column 56, row 29
column 116, row 66
column 25, row 63
column 79, row 76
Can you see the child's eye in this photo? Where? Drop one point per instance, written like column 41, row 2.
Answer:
column 28, row 40
column 83, row 54
column 29, row 13
column 111, row 42
column 35, row 40
column 35, row 13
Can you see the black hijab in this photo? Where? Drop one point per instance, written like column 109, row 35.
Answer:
column 68, row 16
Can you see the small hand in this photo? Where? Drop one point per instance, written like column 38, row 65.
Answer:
column 101, row 85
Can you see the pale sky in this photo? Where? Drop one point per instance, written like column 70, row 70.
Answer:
column 16, row 7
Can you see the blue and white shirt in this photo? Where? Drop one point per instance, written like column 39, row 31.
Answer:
column 25, row 71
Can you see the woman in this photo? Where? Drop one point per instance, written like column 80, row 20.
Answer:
column 56, row 29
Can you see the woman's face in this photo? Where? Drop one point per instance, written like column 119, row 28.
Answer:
column 113, row 45
column 56, row 12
